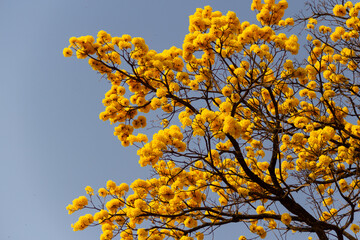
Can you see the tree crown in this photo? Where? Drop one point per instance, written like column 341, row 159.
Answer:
column 250, row 131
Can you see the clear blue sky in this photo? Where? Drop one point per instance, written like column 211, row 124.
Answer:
column 52, row 142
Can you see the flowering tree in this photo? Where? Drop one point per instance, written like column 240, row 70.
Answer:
column 251, row 132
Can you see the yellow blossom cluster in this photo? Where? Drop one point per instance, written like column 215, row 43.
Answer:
column 83, row 222
column 164, row 139
column 77, row 204
column 270, row 13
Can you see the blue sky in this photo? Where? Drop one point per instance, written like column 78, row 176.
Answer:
column 53, row 143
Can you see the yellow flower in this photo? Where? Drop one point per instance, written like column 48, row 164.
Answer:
column 107, row 234
column 80, row 202
column 166, row 193
column 101, row 215
column 190, row 222
column 261, row 231
column 110, row 184
column 83, row 222
column 312, row 21
column 325, row 216
column 260, row 209
column 81, row 54
column 227, row 91
column 333, row 211
column 102, row 192
column 67, row 52
column 89, row 190
column 354, row 89
column 286, row 218
column 327, row 201
column 352, row 65
column 73, row 41
column 355, row 228
column 289, row 21
column 339, row 10
column 113, row 205
column 311, row 94
column 71, row 209
column 272, row 224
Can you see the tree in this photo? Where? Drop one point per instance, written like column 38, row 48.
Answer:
column 251, row 131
